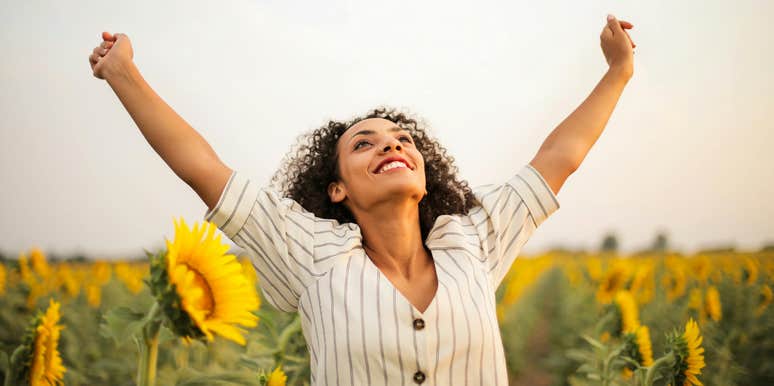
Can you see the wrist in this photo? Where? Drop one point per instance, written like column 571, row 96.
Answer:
column 121, row 71
column 622, row 71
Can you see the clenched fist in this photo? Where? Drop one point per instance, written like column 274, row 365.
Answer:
column 111, row 54
column 616, row 44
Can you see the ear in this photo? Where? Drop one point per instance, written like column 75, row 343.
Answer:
column 336, row 192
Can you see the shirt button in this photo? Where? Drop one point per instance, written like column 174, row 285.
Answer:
column 419, row 324
column 419, row 377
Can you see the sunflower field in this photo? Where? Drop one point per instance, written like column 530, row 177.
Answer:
column 566, row 319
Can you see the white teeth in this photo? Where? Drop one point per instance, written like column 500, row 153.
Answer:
column 392, row 165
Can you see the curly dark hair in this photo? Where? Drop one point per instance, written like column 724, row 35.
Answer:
column 307, row 171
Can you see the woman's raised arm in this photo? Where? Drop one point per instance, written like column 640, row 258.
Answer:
column 179, row 145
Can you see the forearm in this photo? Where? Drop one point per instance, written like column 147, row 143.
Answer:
column 574, row 137
column 179, row 145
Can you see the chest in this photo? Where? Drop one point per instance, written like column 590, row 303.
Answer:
column 358, row 323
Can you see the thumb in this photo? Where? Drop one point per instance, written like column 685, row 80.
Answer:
column 614, row 25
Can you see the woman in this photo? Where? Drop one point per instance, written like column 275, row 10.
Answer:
column 392, row 262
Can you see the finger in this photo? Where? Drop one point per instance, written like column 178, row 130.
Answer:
column 99, row 51
column 606, row 33
column 106, row 44
column 630, row 39
column 108, row 36
column 94, row 58
column 626, row 24
column 612, row 22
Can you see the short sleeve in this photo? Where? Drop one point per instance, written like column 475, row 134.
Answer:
column 289, row 247
column 509, row 214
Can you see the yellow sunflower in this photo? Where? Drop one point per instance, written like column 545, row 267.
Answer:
column 701, row 267
column 2, row 279
column 277, row 378
column 39, row 263
column 65, row 279
column 644, row 345
column 749, row 272
column 613, row 281
column 689, row 357
column 208, row 285
column 764, row 300
column 675, row 281
column 639, row 348
column 643, row 284
column 46, row 367
column 37, row 361
column 24, row 270
column 131, row 275
column 627, row 307
column 712, row 304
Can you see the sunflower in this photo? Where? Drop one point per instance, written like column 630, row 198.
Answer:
column 37, row 359
column 66, row 280
column 247, row 268
column 749, row 272
column 275, row 378
column 712, row 304
column 39, row 263
column 93, row 295
column 131, row 275
column 701, row 267
column 2, row 279
column 627, row 310
column 644, row 346
column 24, row 270
column 643, row 284
column 675, row 281
column 638, row 347
column 764, row 300
column 201, row 289
column 612, row 282
column 689, row 357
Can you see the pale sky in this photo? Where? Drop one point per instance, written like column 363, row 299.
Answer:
column 687, row 149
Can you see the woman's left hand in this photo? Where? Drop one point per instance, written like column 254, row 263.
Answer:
column 617, row 45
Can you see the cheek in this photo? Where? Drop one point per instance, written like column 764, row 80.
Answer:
column 354, row 165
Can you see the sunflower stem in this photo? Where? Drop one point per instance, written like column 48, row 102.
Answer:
column 291, row 329
column 13, row 366
column 653, row 369
column 146, row 369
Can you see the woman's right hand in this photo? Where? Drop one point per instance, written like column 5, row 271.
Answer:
column 111, row 54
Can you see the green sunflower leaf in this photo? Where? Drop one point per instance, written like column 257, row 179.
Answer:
column 121, row 323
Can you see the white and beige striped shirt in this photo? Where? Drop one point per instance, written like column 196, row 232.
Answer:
column 360, row 330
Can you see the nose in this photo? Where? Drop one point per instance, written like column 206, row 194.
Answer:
column 390, row 142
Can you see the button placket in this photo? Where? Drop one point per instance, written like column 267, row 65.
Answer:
column 418, row 326
column 419, row 377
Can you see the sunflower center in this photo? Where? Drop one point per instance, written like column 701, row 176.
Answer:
column 206, row 302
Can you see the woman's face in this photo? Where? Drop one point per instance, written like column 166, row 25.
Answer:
column 362, row 150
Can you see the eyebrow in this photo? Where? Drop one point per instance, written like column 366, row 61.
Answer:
column 369, row 132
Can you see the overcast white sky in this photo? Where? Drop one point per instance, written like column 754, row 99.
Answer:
column 687, row 149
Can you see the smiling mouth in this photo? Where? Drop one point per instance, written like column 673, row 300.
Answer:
column 392, row 166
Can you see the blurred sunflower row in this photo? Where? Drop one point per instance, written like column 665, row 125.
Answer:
column 606, row 319
column 566, row 319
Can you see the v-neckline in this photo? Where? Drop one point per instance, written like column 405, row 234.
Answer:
column 403, row 296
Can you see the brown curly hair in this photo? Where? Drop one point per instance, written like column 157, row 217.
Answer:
column 307, row 171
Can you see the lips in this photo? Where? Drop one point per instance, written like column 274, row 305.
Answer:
column 391, row 159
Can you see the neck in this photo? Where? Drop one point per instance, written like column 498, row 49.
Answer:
column 392, row 237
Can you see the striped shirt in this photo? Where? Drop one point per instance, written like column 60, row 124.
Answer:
column 360, row 330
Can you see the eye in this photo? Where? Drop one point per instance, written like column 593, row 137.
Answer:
column 406, row 138
column 357, row 145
